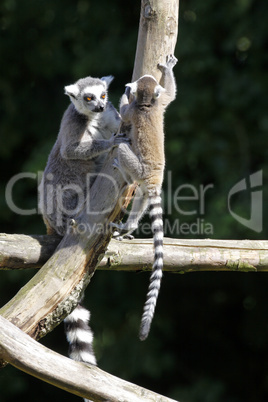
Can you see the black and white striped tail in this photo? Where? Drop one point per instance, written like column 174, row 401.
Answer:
column 155, row 212
column 80, row 336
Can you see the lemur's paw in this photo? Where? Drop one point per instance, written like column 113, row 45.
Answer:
column 161, row 66
column 121, row 139
column 171, row 61
column 127, row 91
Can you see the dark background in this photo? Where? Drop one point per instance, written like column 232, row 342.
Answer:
column 208, row 341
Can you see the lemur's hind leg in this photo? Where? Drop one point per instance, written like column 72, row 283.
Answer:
column 128, row 164
column 125, row 175
column 138, row 209
column 131, row 169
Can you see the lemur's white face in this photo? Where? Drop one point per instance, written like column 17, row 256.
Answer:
column 90, row 98
column 94, row 98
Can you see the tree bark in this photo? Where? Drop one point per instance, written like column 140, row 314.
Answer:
column 57, row 370
column 157, row 37
column 21, row 252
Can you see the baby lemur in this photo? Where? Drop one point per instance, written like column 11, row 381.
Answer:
column 144, row 163
column 85, row 137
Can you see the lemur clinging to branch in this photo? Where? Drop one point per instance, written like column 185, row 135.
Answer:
column 84, row 139
column 144, row 163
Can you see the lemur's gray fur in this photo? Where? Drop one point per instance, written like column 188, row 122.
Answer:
column 86, row 135
column 144, row 163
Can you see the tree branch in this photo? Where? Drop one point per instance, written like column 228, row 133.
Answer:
column 54, row 291
column 64, row 373
column 157, row 37
column 21, row 251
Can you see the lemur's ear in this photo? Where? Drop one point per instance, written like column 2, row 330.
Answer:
column 108, row 79
column 72, row 90
column 133, row 87
column 158, row 91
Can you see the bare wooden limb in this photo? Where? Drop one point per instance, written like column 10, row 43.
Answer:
column 158, row 30
column 21, row 251
column 189, row 255
column 87, row 381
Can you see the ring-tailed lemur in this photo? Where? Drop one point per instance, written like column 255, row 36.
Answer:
column 144, row 163
column 85, row 137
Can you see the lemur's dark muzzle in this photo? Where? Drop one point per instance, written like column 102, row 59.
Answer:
column 99, row 108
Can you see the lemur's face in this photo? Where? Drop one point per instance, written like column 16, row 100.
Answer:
column 94, row 98
column 145, row 90
column 89, row 95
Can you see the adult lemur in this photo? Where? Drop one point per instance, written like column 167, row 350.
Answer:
column 85, row 137
column 144, row 163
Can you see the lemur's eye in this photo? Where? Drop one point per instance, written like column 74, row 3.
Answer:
column 103, row 96
column 88, row 97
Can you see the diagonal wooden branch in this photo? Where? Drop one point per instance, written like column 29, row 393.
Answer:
column 54, row 291
column 67, row 374
column 21, row 252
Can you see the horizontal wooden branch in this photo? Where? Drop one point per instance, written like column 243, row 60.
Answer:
column 21, row 251
column 26, row 354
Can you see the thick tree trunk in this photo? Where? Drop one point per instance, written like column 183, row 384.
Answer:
column 158, row 31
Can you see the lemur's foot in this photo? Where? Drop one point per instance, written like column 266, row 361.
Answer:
column 122, row 231
column 117, row 236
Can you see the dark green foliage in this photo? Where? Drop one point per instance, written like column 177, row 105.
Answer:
column 208, row 341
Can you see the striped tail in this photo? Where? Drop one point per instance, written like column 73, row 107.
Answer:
column 80, row 336
column 155, row 212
